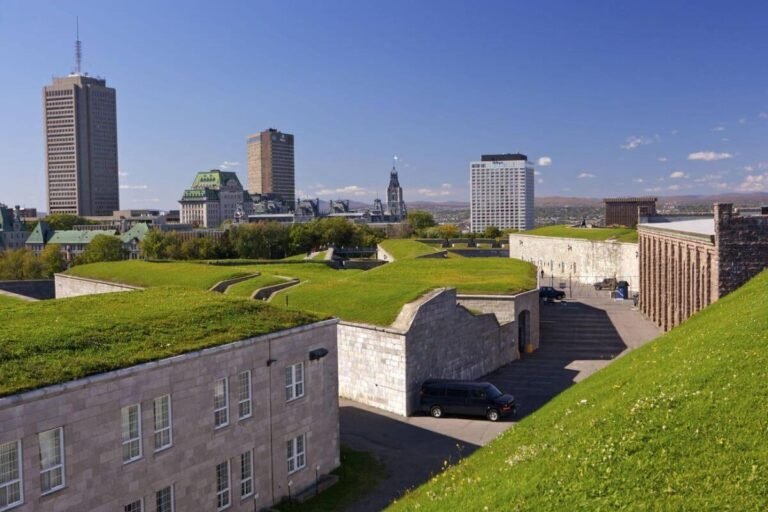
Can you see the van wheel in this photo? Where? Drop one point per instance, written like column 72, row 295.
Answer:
column 492, row 415
column 436, row 411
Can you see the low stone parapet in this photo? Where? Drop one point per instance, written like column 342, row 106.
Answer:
column 74, row 286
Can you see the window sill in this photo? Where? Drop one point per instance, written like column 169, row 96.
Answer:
column 52, row 491
column 128, row 462
column 295, row 399
column 163, row 449
column 297, row 470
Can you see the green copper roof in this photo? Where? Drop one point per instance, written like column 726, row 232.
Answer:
column 214, row 179
column 76, row 237
column 40, row 234
column 200, row 194
column 138, row 231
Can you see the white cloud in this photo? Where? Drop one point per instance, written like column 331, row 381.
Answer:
column 637, row 180
column 349, row 190
column 536, row 173
column 635, row 142
column 754, row 183
column 709, row 156
column 586, row 175
column 678, row 175
column 540, row 180
column 708, row 178
column 545, row 161
column 674, row 187
column 122, row 174
column 662, row 159
column 654, row 189
column 226, row 165
column 134, row 187
column 718, row 129
column 444, row 190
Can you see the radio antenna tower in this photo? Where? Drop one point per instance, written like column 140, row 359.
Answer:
column 78, row 48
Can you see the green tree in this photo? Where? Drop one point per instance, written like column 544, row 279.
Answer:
column 20, row 264
column 420, row 220
column 153, row 245
column 491, row 232
column 52, row 260
column 103, row 248
column 62, row 221
column 448, row 231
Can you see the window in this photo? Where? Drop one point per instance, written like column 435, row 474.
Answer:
column 136, row 506
column 246, row 474
column 131, row 433
column 297, row 458
column 244, row 395
column 11, row 479
column 221, row 403
column 51, row 460
column 294, row 381
column 222, row 485
column 163, row 430
column 164, row 500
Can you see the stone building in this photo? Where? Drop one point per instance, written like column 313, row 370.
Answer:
column 215, row 196
column 238, row 426
column 13, row 230
column 623, row 211
column 72, row 242
column 687, row 265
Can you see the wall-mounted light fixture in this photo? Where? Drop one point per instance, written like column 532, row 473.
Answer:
column 317, row 354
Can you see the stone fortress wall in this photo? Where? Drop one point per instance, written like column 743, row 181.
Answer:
column 584, row 261
column 74, row 286
column 436, row 336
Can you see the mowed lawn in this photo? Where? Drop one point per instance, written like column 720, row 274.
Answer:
column 405, row 249
column 5, row 300
column 52, row 341
column 618, row 234
column 679, row 424
column 375, row 296
column 148, row 274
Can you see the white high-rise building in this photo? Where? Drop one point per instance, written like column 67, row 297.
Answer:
column 501, row 189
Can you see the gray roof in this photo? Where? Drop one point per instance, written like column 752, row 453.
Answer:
column 696, row 227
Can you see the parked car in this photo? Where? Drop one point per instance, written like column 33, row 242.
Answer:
column 439, row 397
column 549, row 293
column 609, row 283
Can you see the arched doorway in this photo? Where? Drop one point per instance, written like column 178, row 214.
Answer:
column 523, row 330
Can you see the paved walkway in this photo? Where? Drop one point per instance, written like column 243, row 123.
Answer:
column 578, row 338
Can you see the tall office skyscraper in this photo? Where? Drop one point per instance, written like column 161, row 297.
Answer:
column 501, row 192
column 81, row 144
column 270, row 165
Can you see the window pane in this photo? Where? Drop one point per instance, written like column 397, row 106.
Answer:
column 133, row 507
column 164, row 500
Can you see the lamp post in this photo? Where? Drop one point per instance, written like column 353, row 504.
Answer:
column 290, row 498
column 317, row 479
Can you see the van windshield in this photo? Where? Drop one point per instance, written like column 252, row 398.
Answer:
column 493, row 391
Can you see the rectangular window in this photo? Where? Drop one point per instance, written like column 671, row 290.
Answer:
column 164, row 500
column 222, row 486
column 244, row 395
column 136, row 506
column 51, row 460
column 221, row 403
column 163, row 423
column 246, row 474
column 131, row 432
column 11, row 479
column 296, row 451
column 294, row 381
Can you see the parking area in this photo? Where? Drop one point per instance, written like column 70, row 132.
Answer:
column 578, row 337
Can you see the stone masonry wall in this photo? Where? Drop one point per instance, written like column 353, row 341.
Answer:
column 89, row 410
column 507, row 308
column 742, row 245
column 73, row 286
column 586, row 261
column 372, row 366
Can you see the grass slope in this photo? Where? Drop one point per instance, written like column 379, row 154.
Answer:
column 618, row 234
column 47, row 342
column 6, row 300
column 679, row 424
column 405, row 249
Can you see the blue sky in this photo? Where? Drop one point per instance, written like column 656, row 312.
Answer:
column 609, row 98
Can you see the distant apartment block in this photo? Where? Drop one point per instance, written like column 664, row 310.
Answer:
column 623, row 211
column 235, row 427
column 81, row 146
column 501, row 189
column 215, row 196
column 271, row 167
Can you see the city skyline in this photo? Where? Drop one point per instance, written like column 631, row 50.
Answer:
column 661, row 100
